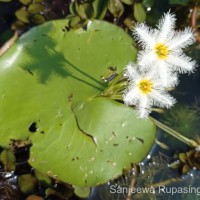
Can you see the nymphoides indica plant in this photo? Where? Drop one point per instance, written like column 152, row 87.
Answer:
column 158, row 64
column 54, row 95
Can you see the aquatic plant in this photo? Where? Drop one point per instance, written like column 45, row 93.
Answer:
column 54, row 93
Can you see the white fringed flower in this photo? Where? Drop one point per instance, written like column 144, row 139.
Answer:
column 162, row 48
column 145, row 90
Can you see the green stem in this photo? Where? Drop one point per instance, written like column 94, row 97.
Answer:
column 118, row 78
column 175, row 134
column 117, row 97
column 115, row 87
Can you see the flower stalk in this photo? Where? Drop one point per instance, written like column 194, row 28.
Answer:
column 116, row 87
column 189, row 142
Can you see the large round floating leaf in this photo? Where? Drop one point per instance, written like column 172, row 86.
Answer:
column 49, row 83
column 105, row 137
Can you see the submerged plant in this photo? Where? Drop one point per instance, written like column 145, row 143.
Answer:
column 183, row 118
column 189, row 160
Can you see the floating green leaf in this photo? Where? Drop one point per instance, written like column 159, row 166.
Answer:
column 25, row 2
column 74, row 21
column 35, row 8
column 23, row 15
column 8, row 159
column 51, row 96
column 85, row 10
column 139, row 12
column 18, row 25
column 100, row 8
column 27, row 183
column 82, row 192
column 105, row 129
column 72, row 8
column 115, row 7
column 38, row 19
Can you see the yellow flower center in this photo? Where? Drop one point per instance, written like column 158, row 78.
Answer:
column 161, row 50
column 145, row 86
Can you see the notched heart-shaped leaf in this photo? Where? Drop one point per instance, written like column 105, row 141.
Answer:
column 50, row 81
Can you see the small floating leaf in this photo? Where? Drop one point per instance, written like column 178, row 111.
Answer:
column 116, row 8
column 139, row 12
column 50, row 191
column 8, row 159
column 82, row 192
column 182, row 157
column 75, row 21
column 23, row 15
column 72, row 8
column 35, row 8
column 27, row 183
column 18, row 25
column 128, row 22
column 38, row 19
column 56, row 194
column 185, row 169
column 25, row 2
column 100, row 8
column 85, row 10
